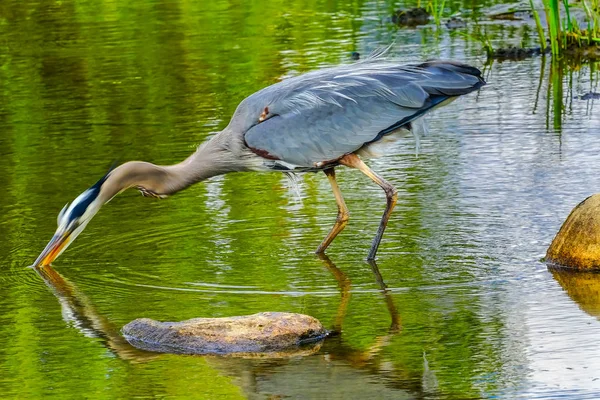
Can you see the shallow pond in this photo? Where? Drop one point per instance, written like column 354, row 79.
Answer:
column 470, row 311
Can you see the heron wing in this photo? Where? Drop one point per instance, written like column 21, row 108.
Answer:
column 321, row 116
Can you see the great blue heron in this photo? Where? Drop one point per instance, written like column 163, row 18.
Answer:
column 313, row 122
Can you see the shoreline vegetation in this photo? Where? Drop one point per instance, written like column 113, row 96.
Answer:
column 567, row 33
column 563, row 28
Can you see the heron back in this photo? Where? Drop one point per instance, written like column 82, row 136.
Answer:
column 316, row 118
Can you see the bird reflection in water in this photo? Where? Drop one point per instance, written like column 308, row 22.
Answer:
column 336, row 347
column 345, row 285
column 276, row 373
column 339, row 360
column 78, row 311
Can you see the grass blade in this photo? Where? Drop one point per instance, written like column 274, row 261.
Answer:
column 538, row 24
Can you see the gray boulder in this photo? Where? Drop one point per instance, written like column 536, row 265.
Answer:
column 266, row 332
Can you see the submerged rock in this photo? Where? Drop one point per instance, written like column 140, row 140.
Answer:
column 581, row 51
column 456, row 23
column 514, row 15
column 517, row 53
column 577, row 243
column 590, row 96
column 411, row 17
column 267, row 332
column 511, row 12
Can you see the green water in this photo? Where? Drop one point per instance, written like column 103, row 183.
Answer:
column 469, row 310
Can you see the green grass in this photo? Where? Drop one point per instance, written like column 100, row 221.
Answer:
column 566, row 33
column 436, row 9
column 538, row 24
column 481, row 36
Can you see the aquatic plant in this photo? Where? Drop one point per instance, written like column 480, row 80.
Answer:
column 552, row 10
column 567, row 33
column 538, row 25
column 436, row 9
column 481, row 36
column 593, row 22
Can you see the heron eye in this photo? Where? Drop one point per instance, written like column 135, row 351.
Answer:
column 61, row 214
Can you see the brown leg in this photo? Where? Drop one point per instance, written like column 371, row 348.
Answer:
column 391, row 194
column 342, row 217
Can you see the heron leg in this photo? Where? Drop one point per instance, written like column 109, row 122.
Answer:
column 343, row 214
column 391, row 194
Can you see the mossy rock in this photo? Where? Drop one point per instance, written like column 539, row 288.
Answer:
column 577, row 243
column 270, row 333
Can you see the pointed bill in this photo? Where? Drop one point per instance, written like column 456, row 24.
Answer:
column 52, row 250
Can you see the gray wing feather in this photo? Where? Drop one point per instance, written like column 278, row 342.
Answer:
column 323, row 134
column 323, row 115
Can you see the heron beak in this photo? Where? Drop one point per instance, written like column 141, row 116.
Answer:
column 53, row 249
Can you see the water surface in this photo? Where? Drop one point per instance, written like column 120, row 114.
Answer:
column 469, row 311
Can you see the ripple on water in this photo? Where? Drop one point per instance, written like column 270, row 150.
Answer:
column 492, row 182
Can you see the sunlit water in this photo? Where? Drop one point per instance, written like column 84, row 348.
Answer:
column 479, row 202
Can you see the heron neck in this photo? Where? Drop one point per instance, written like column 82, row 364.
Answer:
column 211, row 159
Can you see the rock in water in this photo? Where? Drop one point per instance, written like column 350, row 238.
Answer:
column 577, row 243
column 266, row 332
column 412, row 17
column 589, row 96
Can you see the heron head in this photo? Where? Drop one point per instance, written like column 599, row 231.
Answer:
column 71, row 221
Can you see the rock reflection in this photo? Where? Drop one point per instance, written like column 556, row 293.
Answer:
column 582, row 287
